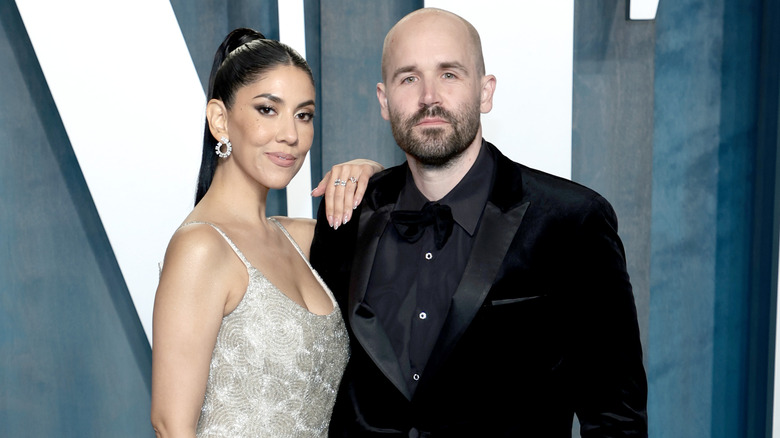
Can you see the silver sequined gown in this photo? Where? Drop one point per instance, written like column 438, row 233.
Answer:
column 276, row 367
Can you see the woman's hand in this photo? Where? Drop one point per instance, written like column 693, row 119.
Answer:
column 343, row 187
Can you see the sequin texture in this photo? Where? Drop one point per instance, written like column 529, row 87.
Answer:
column 276, row 367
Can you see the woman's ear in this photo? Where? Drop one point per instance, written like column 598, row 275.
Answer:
column 216, row 114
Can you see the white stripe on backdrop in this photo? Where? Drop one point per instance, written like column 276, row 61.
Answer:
column 292, row 31
column 139, row 151
column 529, row 46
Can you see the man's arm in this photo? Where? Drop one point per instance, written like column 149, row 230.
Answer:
column 609, row 377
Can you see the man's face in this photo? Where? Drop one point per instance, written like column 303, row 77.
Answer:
column 432, row 94
column 435, row 136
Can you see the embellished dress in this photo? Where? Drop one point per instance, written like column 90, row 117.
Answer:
column 276, row 367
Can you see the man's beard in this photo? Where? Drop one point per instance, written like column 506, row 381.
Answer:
column 433, row 147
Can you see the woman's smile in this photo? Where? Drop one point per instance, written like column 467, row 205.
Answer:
column 281, row 159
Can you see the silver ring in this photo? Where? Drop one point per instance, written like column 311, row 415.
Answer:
column 339, row 182
column 353, row 180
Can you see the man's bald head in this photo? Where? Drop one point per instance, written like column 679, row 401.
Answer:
column 443, row 20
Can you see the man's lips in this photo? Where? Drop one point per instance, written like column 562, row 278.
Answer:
column 428, row 121
column 281, row 159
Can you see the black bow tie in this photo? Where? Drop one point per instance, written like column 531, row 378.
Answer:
column 411, row 224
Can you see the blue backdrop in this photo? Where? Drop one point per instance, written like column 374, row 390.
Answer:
column 675, row 121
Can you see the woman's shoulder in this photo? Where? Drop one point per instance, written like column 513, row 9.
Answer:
column 197, row 245
column 200, row 264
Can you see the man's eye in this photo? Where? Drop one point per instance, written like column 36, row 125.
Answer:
column 449, row 76
column 408, row 80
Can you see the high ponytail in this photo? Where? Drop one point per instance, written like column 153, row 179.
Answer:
column 244, row 56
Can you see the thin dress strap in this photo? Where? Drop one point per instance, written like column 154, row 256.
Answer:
column 303, row 256
column 227, row 239
column 295, row 244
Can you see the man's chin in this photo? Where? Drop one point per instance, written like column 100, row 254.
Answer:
column 441, row 158
column 428, row 133
column 435, row 162
column 432, row 139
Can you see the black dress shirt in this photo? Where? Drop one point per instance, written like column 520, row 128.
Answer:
column 412, row 284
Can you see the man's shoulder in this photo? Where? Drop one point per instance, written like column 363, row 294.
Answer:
column 389, row 175
column 384, row 186
column 535, row 179
column 538, row 186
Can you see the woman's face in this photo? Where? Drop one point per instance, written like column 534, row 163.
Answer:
column 271, row 126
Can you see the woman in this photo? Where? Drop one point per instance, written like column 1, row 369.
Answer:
column 248, row 341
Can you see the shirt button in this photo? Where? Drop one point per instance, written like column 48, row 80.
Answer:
column 428, row 256
column 423, row 315
column 416, row 376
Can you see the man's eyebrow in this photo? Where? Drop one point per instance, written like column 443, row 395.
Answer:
column 453, row 65
column 402, row 70
column 448, row 65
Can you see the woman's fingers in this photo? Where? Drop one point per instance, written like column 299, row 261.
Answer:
column 344, row 186
column 336, row 205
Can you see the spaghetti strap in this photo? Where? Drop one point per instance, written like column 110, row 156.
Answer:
column 227, row 239
column 319, row 279
column 294, row 243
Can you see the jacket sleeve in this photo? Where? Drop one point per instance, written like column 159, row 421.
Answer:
column 610, row 384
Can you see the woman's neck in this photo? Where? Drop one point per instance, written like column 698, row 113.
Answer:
column 237, row 198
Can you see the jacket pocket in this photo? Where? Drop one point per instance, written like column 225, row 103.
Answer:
column 496, row 303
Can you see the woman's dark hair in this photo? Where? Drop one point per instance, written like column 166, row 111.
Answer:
column 243, row 57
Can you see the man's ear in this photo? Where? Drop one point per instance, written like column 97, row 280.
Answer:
column 216, row 114
column 486, row 94
column 382, row 97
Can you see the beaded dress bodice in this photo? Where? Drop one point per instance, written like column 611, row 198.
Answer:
column 276, row 367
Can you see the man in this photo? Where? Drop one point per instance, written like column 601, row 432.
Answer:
column 483, row 298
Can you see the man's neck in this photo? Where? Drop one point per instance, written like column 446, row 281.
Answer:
column 435, row 182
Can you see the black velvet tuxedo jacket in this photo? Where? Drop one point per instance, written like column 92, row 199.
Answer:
column 542, row 325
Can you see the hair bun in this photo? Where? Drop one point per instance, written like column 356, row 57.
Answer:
column 239, row 37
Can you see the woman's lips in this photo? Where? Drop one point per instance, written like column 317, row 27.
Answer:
column 281, row 159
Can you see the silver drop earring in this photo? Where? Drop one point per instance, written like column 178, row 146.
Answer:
column 218, row 148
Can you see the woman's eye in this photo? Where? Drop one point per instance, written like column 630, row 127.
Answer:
column 306, row 117
column 265, row 110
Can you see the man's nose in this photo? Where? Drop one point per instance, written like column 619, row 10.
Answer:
column 430, row 93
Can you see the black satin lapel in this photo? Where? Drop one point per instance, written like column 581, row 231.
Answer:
column 365, row 250
column 365, row 325
column 491, row 244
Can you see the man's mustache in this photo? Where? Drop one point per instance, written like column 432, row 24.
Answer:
column 431, row 111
